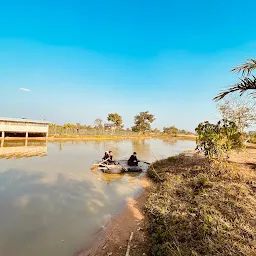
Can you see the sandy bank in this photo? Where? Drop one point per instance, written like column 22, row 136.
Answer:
column 114, row 238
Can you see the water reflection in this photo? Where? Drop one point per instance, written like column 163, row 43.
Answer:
column 55, row 205
column 142, row 148
column 22, row 148
column 108, row 178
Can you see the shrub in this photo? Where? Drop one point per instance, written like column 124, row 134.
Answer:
column 217, row 140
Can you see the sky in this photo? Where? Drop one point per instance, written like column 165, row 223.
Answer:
column 75, row 61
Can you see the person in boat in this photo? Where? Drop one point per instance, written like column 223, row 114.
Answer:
column 105, row 157
column 110, row 159
column 133, row 161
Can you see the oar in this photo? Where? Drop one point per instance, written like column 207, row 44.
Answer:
column 138, row 161
column 96, row 165
column 123, row 167
column 145, row 162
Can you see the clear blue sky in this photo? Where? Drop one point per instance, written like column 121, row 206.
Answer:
column 84, row 59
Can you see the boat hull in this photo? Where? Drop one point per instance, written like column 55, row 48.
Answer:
column 119, row 168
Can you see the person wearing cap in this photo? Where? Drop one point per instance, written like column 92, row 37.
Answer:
column 133, row 161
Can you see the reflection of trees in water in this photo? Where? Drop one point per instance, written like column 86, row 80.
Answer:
column 170, row 141
column 142, row 148
column 107, row 145
column 60, row 146
column 96, row 145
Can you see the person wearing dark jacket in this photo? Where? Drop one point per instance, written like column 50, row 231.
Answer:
column 108, row 158
column 133, row 161
column 105, row 157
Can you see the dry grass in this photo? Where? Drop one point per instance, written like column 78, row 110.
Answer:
column 202, row 208
column 120, row 137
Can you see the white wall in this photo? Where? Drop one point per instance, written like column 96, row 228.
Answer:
column 23, row 127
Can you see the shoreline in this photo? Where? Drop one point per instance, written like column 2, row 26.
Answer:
column 101, row 137
column 113, row 238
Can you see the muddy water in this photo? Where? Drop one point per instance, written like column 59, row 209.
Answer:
column 51, row 203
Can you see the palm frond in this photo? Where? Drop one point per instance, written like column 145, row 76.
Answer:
column 245, row 85
column 246, row 68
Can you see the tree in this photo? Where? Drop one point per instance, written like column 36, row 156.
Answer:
column 143, row 122
column 183, row 131
column 217, row 140
column 246, row 84
column 116, row 120
column 156, row 130
column 245, row 68
column 98, row 123
column 241, row 111
column 171, row 130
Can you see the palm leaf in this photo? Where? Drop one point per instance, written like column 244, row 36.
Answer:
column 245, row 85
column 245, row 68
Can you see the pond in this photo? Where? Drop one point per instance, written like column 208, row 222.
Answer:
column 52, row 203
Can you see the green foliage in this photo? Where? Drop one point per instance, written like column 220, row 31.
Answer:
column 116, row 119
column 246, row 68
column 171, row 130
column 156, row 130
column 252, row 137
column 184, row 132
column 246, row 83
column 217, row 140
column 143, row 122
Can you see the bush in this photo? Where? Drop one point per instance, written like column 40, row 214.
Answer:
column 252, row 137
column 217, row 140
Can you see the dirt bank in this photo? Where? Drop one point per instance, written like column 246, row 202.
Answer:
column 113, row 240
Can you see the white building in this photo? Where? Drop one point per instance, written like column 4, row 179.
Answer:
column 23, row 127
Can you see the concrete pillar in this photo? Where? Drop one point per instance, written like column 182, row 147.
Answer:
column 2, row 138
column 46, row 139
column 26, row 141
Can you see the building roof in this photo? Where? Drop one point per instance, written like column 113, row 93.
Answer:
column 23, row 120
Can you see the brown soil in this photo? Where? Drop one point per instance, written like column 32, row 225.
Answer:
column 246, row 157
column 114, row 239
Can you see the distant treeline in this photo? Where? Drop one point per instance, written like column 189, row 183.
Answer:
column 142, row 124
column 108, row 129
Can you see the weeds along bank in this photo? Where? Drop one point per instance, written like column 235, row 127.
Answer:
column 121, row 137
column 198, row 207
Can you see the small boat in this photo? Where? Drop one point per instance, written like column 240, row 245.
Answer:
column 120, row 167
column 111, row 169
